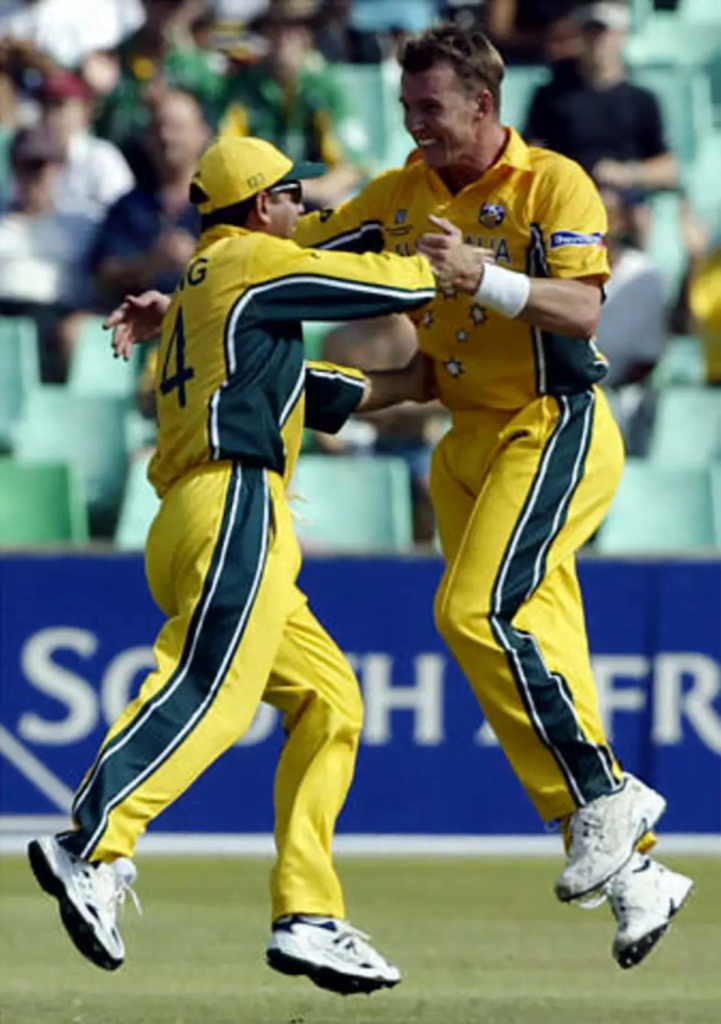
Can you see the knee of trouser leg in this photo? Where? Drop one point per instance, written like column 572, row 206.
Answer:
column 340, row 713
column 457, row 618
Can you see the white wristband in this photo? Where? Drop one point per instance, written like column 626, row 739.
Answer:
column 504, row 290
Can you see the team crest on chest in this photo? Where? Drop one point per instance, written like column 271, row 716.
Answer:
column 492, row 215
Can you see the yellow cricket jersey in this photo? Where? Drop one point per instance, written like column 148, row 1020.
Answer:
column 541, row 214
column 231, row 379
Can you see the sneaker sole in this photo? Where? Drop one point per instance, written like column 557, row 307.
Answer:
column 634, row 954
column 566, row 895
column 76, row 926
column 325, row 977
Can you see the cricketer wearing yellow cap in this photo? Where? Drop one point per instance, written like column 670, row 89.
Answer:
column 529, row 468
column 233, row 394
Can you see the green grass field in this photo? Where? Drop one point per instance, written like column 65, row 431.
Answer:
column 477, row 940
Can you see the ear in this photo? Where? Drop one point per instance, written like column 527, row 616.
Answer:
column 262, row 208
column 484, row 103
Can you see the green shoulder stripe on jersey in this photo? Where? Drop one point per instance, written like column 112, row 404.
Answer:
column 564, row 366
column 366, row 237
column 331, row 396
column 321, row 297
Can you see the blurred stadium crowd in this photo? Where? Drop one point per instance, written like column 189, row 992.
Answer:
column 105, row 107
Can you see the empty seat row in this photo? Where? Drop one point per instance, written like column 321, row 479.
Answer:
column 664, row 509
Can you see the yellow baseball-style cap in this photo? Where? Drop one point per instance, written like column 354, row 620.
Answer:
column 233, row 169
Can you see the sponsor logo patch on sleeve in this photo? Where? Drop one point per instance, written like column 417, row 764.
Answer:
column 564, row 239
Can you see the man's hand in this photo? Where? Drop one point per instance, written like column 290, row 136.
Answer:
column 136, row 320
column 456, row 266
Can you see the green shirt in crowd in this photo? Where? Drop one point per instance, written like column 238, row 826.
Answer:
column 310, row 123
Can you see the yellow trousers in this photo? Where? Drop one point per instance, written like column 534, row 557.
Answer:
column 222, row 561
column 516, row 494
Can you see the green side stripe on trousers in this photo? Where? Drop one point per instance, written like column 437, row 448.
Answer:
column 215, row 632
column 545, row 694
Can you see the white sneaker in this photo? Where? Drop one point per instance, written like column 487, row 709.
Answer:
column 332, row 953
column 88, row 895
column 604, row 834
column 644, row 896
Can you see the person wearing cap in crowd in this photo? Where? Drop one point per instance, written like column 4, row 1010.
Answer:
column 95, row 174
column 161, row 55
column 292, row 99
column 43, row 251
column 610, row 126
column 234, row 394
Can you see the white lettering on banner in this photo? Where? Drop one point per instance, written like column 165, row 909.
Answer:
column 486, row 737
column 607, row 668
column 263, row 724
column 381, row 697
column 686, row 694
column 70, row 690
column 672, row 702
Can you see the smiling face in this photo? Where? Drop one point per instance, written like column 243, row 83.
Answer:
column 443, row 115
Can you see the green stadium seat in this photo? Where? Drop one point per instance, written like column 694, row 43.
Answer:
column 682, row 363
column 95, row 371
column 668, row 39
column 716, row 500
column 360, row 503
column 706, row 13
column 659, row 509
column 365, row 87
column 519, row 85
column 139, row 506
column 664, row 240
column 140, row 432
column 19, row 371
column 685, row 100
column 40, row 504
column 58, row 425
column 687, row 427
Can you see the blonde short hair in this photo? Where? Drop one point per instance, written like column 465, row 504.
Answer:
column 471, row 54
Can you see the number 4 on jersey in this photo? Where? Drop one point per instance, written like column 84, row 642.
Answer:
column 182, row 372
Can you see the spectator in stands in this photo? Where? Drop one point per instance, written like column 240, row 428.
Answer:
column 290, row 98
column 161, row 55
column 95, row 174
column 42, row 252
column 612, row 127
column 534, row 31
column 69, row 31
column 408, row 431
column 632, row 331
column 149, row 235
column 340, row 41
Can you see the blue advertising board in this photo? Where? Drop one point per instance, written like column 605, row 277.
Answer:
column 75, row 640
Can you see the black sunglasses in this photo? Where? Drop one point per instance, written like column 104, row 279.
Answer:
column 294, row 189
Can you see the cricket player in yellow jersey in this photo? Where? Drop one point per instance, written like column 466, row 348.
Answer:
column 529, row 468
column 234, row 393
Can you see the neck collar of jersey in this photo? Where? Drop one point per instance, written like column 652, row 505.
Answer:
column 220, row 231
column 515, row 153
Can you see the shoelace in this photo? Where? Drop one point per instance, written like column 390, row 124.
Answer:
column 114, row 887
column 123, row 888
column 348, row 933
